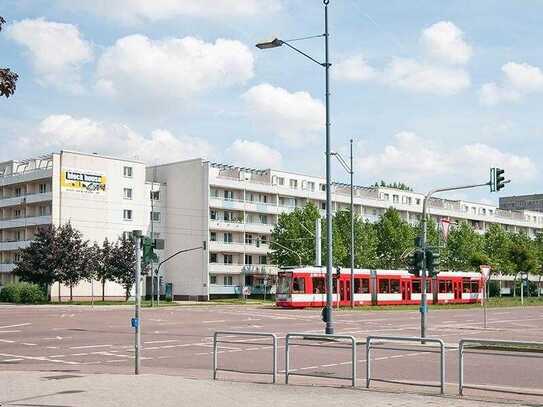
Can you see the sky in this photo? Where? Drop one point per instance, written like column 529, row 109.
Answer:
column 433, row 93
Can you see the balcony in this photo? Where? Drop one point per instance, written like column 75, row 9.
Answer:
column 255, row 269
column 226, row 247
column 14, row 245
column 25, row 199
column 26, row 176
column 240, row 205
column 6, row 267
column 215, row 224
column 25, row 221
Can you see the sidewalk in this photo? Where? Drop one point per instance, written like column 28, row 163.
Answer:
column 66, row 389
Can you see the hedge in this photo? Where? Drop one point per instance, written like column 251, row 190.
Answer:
column 23, row 293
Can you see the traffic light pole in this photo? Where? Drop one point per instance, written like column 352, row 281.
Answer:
column 424, row 244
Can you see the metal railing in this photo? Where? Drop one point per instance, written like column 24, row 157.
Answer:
column 217, row 340
column 331, row 338
column 497, row 345
column 369, row 347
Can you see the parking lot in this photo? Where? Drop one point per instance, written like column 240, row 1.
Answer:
column 178, row 341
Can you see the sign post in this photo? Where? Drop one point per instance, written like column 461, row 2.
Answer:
column 523, row 280
column 136, row 324
column 485, row 271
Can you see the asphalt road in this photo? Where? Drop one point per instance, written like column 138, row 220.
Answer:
column 178, row 341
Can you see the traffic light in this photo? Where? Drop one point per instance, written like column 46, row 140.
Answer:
column 416, row 262
column 497, row 179
column 338, row 272
column 432, row 261
column 148, row 254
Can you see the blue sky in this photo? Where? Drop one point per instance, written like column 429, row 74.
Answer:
column 433, row 93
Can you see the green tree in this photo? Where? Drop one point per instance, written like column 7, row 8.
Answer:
column 293, row 235
column 396, row 185
column 463, row 245
column 538, row 250
column 522, row 257
column 496, row 244
column 365, row 241
column 105, row 267
column 38, row 263
column 71, row 252
column 124, row 264
column 8, row 78
column 394, row 238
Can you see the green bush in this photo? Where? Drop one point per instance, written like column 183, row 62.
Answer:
column 22, row 293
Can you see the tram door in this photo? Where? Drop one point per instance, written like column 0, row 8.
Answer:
column 345, row 291
column 406, row 290
column 457, row 290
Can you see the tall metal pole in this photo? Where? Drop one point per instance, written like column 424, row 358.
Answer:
column 152, row 237
column 318, row 243
column 137, row 322
column 352, row 228
column 329, row 321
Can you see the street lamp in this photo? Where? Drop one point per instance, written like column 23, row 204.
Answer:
column 327, row 312
column 350, row 171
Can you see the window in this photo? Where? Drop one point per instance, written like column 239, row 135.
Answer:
column 417, row 201
column 229, row 195
column 263, row 219
column 248, row 238
column 248, row 259
column 264, row 239
column 361, row 286
column 386, row 197
column 227, row 258
column 310, row 185
column 127, row 214
column 42, row 210
column 395, row 198
column 127, row 193
column 228, row 216
column 213, row 236
column 155, row 195
column 474, row 287
column 466, row 285
column 280, row 181
column 213, row 257
column 323, row 206
column 227, row 237
column 416, row 287
column 18, row 192
column 155, row 216
column 445, row 286
column 17, row 213
column 298, row 286
column 43, row 188
column 213, row 214
column 293, row 183
column 227, row 280
column 322, row 187
column 384, row 286
column 19, row 236
column 127, row 172
column 318, row 285
column 395, row 286
column 263, row 260
column 212, row 279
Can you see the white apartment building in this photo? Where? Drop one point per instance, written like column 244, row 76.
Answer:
column 189, row 202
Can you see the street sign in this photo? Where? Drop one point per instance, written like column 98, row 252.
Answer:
column 485, row 271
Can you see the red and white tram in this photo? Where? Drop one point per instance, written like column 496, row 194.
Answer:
column 305, row 287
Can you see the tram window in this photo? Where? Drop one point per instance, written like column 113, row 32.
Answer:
column 395, row 286
column 466, row 286
column 283, row 285
column 416, row 286
column 298, row 286
column 428, row 286
column 475, row 287
column 384, row 286
column 445, row 286
column 318, row 285
column 361, row 286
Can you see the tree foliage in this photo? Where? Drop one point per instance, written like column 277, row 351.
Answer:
column 396, row 185
column 124, row 264
column 463, row 245
column 8, row 79
column 394, row 238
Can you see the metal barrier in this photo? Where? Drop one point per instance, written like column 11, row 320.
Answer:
column 510, row 346
column 369, row 347
column 288, row 344
column 216, row 341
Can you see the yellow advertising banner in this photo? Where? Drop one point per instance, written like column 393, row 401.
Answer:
column 88, row 182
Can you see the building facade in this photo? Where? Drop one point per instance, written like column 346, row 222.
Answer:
column 532, row 202
column 232, row 209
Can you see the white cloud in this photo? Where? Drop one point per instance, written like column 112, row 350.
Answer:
column 56, row 51
column 419, row 77
column 253, row 154
column 354, row 68
column 297, row 118
column 439, row 74
column 138, row 68
column 445, row 41
column 82, row 134
column 137, row 11
column 520, row 80
column 418, row 161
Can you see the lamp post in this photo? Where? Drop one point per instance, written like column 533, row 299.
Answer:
column 349, row 169
column 327, row 312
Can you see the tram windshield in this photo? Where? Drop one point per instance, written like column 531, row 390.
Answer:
column 284, row 284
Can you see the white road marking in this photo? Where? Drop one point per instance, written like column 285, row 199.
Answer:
column 12, row 360
column 29, row 344
column 90, row 346
column 15, row 326
column 10, row 332
column 6, row 341
column 214, row 322
column 42, row 358
column 165, row 341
